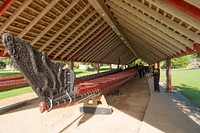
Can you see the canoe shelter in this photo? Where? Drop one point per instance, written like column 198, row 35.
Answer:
column 105, row 31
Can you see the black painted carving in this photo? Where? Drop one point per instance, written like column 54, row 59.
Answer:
column 47, row 78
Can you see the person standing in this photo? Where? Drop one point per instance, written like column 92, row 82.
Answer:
column 140, row 71
column 156, row 76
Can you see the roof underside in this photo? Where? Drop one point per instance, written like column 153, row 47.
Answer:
column 110, row 31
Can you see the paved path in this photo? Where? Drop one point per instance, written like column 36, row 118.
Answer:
column 163, row 115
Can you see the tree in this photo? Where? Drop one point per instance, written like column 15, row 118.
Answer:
column 9, row 62
column 180, row 62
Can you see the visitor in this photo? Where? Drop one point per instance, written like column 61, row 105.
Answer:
column 156, row 76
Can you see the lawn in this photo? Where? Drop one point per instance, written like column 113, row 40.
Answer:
column 186, row 82
column 4, row 73
column 23, row 90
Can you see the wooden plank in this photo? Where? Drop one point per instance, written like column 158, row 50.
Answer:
column 126, row 15
column 64, row 28
column 75, row 38
column 107, row 16
column 75, row 48
column 71, row 32
column 165, row 20
column 176, row 12
column 97, row 45
column 58, row 18
column 153, row 23
column 15, row 15
column 36, row 19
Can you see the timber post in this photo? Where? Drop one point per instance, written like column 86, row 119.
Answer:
column 168, row 74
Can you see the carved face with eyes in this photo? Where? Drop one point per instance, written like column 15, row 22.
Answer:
column 9, row 42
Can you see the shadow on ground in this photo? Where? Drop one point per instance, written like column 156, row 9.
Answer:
column 133, row 98
column 192, row 93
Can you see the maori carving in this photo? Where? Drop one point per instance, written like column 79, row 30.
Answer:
column 48, row 79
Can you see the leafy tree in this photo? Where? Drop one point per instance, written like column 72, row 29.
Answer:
column 139, row 62
column 8, row 61
column 180, row 62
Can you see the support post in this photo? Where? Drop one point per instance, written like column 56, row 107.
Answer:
column 158, row 65
column 168, row 74
column 118, row 63
column 71, row 65
column 110, row 67
column 97, row 68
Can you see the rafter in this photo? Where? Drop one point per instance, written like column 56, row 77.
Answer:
column 116, row 54
column 86, row 42
column 153, row 23
column 107, row 16
column 126, row 15
column 149, row 40
column 147, row 47
column 58, row 18
column 15, row 15
column 108, row 52
column 107, row 37
column 74, row 47
column 176, row 12
column 103, row 48
column 77, row 36
column 36, row 19
column 71, row 33
column 139, row 29
column 165, row 20
column 95, row 44
column 64, row 28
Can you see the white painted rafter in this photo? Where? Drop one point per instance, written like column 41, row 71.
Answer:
column 153, row 23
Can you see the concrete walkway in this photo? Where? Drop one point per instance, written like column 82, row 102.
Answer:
column 137, row 110
column 164, row 115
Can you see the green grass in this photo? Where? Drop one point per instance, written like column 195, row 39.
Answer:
column 186, row 82
column 15, row 92
column 23, row 90
column 4, row 73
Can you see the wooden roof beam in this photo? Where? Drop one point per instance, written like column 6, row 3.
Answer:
column 149, row 40
column 99, row 45
column 126, row 15
column 71, row 33
column 153, row 43
column 104, row 48
column 75, row 38
column 117, row 52
column 176, row 12
column 105, row 37
column 5, row 6
column 153, row 23
column 101, row 8
column 148, row 48
column 195, row 3
column 75, row 47
column 36, row 19
column 107, row 52
column 165, row 20
column 139, row 29
column 88, row 43
column 146, row 56
column 64, row 27
column 15, row 15
column 58, row 18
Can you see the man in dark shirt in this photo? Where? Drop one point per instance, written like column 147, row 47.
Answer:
column 156, row 75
